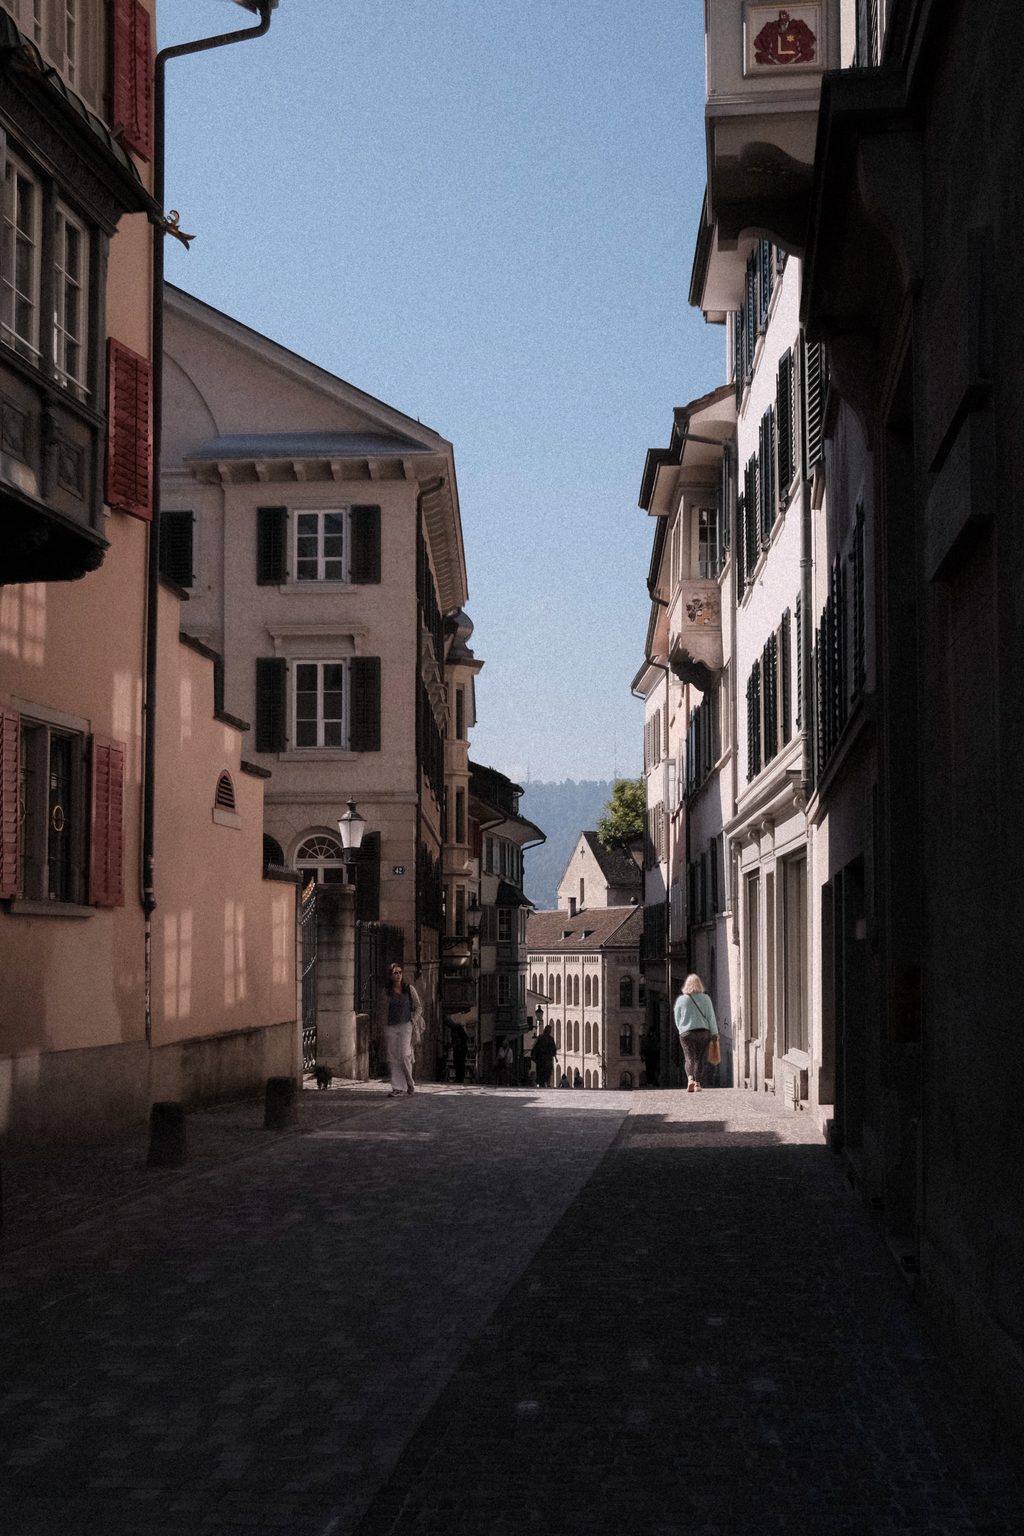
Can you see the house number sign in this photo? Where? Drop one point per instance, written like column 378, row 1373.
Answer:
column 778, row 38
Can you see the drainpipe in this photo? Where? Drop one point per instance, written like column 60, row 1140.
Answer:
column 806, row 567
column 426, row 489
column 148, row 892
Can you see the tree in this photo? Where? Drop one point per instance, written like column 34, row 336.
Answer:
column 622, row 819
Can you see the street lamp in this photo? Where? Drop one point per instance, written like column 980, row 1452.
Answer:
column 351, row 826
column 539, row 1019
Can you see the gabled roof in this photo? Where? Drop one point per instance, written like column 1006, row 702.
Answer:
column 616, row 864
column 595, row 929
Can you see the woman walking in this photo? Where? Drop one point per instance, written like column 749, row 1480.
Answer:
column 402, row 1013
column 696, row 1023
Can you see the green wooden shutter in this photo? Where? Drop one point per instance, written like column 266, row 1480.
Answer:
column 364, row 567
column 271, row 551
column 785, row 648
column 10, row 808
column 784, row 419
column 367, row 875
column 176, row 547
column 364, row 735
column 271, row 680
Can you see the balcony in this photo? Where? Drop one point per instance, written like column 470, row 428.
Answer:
column 695, row 636
column 764, row 65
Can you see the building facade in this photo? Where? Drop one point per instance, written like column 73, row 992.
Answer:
column 319, row 539
column 586, row 969
column 124, row 977
column 596, row 876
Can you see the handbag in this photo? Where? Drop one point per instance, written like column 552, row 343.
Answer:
column 714, row 1049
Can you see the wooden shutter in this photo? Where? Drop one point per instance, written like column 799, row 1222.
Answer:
column 271, row 550
column 367, row 875
column 10, row 818
column 784, row 419
column 106, row 823
column 129, row 481
column 131, row 70
column 364, row 568
column 271, row 680
column 813, row 402
column 787, row 676
column 176, row 547
column 364, row 735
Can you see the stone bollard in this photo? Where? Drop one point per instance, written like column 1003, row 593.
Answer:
column 166, row 1135
column 282, row 1104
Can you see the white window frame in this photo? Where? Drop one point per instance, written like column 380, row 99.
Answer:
column 321, row 722
column 63, row 282
column 321, row 559
column 25, row 346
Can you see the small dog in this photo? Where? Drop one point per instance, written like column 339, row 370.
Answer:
column 324, row 1077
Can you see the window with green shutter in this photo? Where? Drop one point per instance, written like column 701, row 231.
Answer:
column 784, row 423
column 364, row 734
column 365, row 543
column 271, row 681
column 271, row 546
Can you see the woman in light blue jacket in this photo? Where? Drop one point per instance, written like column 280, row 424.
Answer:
column 696, row 1023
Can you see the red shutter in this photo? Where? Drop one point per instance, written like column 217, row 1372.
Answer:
column 129, row 485
column 131, row 72
column 10, row 818
column 106, row 839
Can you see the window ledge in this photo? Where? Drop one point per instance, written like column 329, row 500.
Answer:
column 288, row 587
column 19, row 908
column 318, row 755
column 226, row 818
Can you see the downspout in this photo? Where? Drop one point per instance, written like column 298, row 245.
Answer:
column 806, row 569
column 148, row 892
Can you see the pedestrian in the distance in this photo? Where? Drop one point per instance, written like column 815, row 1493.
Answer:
column 650, row 1050
column 460, row 1046
column 503, row 1064
column 577, row 1080
column 563, row 1082
column 543, row 1054
column 402, row 1015
column 696, row 1023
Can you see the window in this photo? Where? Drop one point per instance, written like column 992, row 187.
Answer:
column 626, row 992
column 558, row 989
column 814, row 382
column 626, row 1040
column 785, row 424
column 504, row 925
column 641, row 994
column 51, row 793
column 575, row 991
column 224, row 796
column 320, row 546
column 460, row 714
column 460, row 911
column 709, row 548
column 754, row 721
column 320, row 704
column 576, row 1034
column 558, row 1034
column 586, row 1078
column 22, row 213
column 586, row 1038
column 586, row 993
column 583, row 888
column 460, row 815
column 625, row 1079
column 504, row 990
column 551, row 989
column 595, row 992
column 766, row 475
column 70, row 303
column 323, row 858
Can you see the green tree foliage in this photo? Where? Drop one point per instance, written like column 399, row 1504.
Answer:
column 622, row 819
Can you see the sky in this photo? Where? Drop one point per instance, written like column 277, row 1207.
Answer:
column 484, row 215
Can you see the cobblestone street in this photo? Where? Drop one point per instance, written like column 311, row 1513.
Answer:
column 474, row 1311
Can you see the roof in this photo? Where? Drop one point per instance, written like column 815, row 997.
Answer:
column 306, row 445
column 617, row 864
column 591, row 930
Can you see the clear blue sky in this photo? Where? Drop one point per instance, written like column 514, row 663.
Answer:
column 483, row 214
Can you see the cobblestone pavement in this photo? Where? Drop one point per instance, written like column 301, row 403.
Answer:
column 475, row 1311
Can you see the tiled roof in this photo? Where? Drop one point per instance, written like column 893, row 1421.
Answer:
column 620, row 927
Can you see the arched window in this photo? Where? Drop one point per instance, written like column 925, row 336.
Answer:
column 558, row 989
column 625, row 1079
column 321, row 856
column 586, row 991
column 641, row 994
column 626, row 992
column 558, row 1033
column 597, row 998
column 586, row 1079
column 586, row 1038
column 575, row 991
column 597, row 1038
column 551, row 989
column 626, row 1040
column 576, row 1029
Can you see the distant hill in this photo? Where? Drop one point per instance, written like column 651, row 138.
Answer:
column 562, row 811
